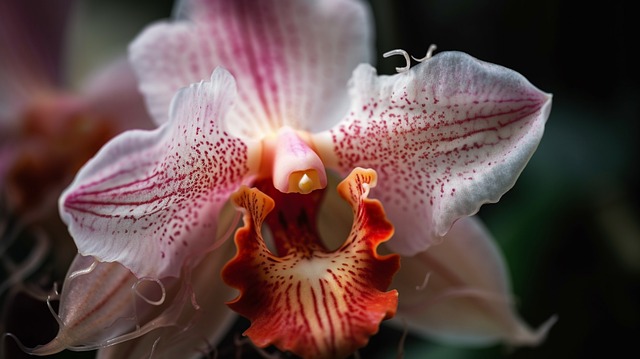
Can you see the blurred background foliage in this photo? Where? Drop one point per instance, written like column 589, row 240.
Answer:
column 570, row 228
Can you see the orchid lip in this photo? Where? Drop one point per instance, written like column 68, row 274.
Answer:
column 304, row 298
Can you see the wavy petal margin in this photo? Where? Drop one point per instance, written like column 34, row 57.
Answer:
column 314, row 303
column 150, row 199
column 445, row 137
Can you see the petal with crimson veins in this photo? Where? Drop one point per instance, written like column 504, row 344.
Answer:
column 150, row 199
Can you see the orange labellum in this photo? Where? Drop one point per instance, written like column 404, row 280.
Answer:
column 305, row 299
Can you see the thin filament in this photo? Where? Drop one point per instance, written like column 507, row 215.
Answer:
column 148, row 300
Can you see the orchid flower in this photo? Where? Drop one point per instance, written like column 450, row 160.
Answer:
column 260, row 104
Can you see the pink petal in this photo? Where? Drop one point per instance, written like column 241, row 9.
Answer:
column 101, row 302
column 197, row 332
column 31, row 44
column 445, row 137
column 112, row 92
column 291, row 58
column 103, row 305
column 150, row 199
column 458, row 292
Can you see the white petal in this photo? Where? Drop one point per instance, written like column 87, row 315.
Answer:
column 150, row 199
column 445, row 137
column 458, row 292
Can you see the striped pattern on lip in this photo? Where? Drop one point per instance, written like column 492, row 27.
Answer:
column 305, row 299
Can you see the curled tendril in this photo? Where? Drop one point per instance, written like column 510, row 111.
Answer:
column 408, row 58
column 153, row 347
column 18, row 272
column 429, row 54
column 85, row 271
column 424, row 282
column 170, row 304
column 142, row 295
column 53, row 312
column 21, row 346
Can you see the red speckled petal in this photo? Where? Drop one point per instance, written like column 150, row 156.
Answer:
column 149, row 199
column 292, row 59
column 466, row 298
column 314, row 303
column 445, row 137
